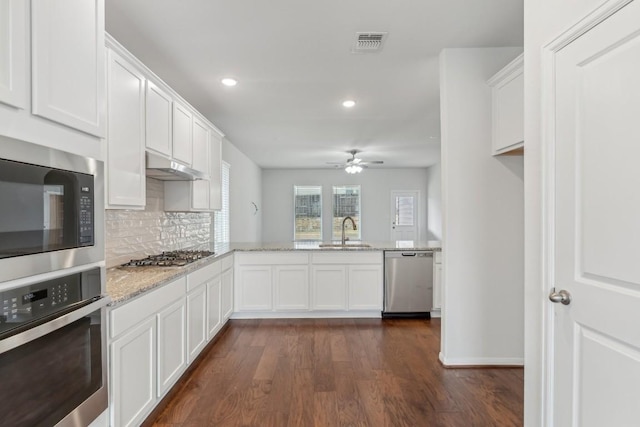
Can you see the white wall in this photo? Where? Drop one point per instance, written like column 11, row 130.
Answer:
column 483, row 218
column 543, row 21
column 245, row 186
column 434, row 202
column 376, row 184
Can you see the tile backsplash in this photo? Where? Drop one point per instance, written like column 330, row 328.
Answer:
column 135, row 234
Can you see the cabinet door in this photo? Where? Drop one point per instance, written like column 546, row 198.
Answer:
column 133, row 374
column 365, row 287
column 125, row 138
column 200, row 195
column 200, row 146
column 437, row 286
column 226, row 293
column 159, row 124
column 182, row 133
column 67, row 47
column 13, row 65
column 171, row 345
column 196, row 322
column 253, row 288
column 291, row 287
column 329, row 287
column 215, row 172
column 214, row 317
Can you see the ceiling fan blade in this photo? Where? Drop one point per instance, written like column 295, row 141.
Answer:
column 373, row 162
column 336, row 163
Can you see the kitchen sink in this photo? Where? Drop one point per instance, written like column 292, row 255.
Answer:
column 346, row 245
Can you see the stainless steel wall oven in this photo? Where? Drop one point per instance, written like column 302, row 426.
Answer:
column 53, row 351
column 51, row 210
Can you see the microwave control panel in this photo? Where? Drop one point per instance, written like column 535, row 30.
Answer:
column 85, row 212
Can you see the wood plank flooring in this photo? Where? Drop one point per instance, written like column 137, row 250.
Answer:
column 339, row 372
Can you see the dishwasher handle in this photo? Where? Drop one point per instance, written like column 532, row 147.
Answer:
column 409, row 254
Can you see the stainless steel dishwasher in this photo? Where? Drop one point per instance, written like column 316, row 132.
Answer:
column 408, row 283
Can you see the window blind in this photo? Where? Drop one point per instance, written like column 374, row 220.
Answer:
column 221, row 217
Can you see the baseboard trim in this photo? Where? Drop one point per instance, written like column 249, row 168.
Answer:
column 481, row 362
column 308, row 315
column 435, row 313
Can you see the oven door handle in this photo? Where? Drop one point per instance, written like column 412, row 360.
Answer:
column 36, row 332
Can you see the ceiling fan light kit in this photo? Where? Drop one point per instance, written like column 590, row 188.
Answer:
column 355, row 164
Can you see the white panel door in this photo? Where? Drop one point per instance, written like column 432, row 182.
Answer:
column 67, row 47
column 172, row 352
column 200, row 146
column 196, row 322
column 365, row 287
column 133, row 374
column 226, row 293
column 159, row 123
column 253, row 292
column 182, row 134
column 329, row 287
column 13, row 53
column 595, row 222
column 404, row 215
column 126, row 185
column 292, row 287
column 214, row 315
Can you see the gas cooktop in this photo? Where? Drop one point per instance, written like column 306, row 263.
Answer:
column 169, row 259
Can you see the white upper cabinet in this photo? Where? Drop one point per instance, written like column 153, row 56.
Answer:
column 67, row 40
column 200, row 146
column 159, row 123
column 126, row 135
column 182, row 133
column 507, row 92
column 13, row 65
column 215, row 171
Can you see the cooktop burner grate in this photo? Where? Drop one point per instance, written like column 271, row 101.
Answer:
column 169, row 259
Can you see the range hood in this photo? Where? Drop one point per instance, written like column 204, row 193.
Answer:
column 164, row 169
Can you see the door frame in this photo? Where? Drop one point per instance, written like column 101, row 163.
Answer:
column 417, row 206
column 543, row 357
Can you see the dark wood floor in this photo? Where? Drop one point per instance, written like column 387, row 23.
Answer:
column 339, row 372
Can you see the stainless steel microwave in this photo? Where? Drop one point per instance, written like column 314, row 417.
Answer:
column 51, row 210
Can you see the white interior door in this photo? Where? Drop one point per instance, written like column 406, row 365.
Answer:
column 404, row 215
column 595, row 222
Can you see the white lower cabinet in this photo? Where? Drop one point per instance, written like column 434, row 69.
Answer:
column 365, row 292
column 299, row 284
column 437, row 280
column 154, row 337
column 196, row 322
column 254, row 288
column 226, row 293
column 291, row 287
column 133, row 374
column 329, row 284
column 172, row 359
column 214, row 318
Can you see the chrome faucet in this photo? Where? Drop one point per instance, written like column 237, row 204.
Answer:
column 344, row 239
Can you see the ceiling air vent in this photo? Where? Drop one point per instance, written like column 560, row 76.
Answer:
column 369, row 42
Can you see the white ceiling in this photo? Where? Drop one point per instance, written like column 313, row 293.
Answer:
column 293, row 62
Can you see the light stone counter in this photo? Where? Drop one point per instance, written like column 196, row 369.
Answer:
column 125, row 283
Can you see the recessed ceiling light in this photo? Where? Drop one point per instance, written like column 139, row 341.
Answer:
column 349, row 103
column 227, row 81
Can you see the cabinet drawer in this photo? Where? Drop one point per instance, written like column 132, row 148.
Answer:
column 134, row 312
column 272, row 258
column 346, row 258
column 203, row 275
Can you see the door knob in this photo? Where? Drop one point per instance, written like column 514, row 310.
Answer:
column 562, row 296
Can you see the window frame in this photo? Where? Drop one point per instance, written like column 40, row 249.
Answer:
column 319, row 187
column 333, row 210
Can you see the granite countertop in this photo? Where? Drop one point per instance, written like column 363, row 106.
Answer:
column 125, row 283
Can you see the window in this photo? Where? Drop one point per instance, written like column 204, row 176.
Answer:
column 346, row 202
column 221, row 217
column 307, row 212
column 404, row 210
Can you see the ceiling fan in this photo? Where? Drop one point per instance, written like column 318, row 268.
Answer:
column 355, row 164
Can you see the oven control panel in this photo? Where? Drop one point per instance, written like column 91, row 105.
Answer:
column 33, row 302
